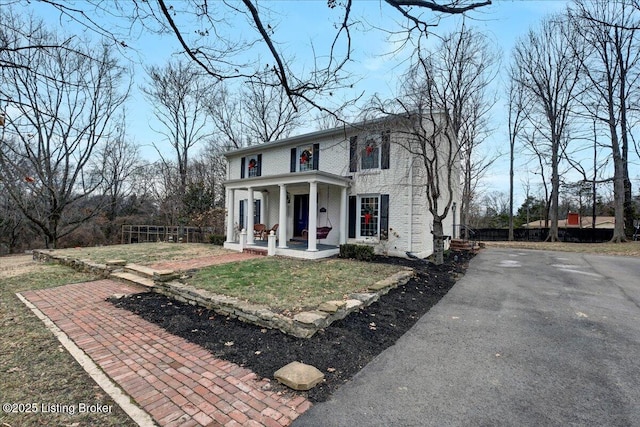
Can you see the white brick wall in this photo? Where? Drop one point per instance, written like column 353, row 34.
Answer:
column 410, row 223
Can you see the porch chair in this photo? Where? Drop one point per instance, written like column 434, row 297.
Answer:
column 259, row 231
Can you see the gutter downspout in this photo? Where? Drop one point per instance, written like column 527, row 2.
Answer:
column 410, row 246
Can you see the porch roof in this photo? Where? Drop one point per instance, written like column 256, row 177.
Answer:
column 288, row 179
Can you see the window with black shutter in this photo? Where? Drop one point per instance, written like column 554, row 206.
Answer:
column 353, row 207
column 241, row 215
column 294, row 160
column 384, row 217
column 386, row 150
column 316, row 156
column 353, row 155
column 256, row 211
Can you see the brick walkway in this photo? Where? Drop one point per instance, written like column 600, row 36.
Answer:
column 177, row 382
column 202, row 261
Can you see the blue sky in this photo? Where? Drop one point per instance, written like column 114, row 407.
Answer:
column 302, row 23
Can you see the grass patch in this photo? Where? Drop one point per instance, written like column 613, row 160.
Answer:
column 618, row 249
column 144, row 253
column 290, row 284
column 34, row 367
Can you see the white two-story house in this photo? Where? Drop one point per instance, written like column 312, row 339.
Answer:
column 352, row 184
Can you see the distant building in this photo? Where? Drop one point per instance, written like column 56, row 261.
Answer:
column 574, row 220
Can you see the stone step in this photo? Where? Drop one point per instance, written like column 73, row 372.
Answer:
column 140, row 270
column 134, row 278
column 144, row 271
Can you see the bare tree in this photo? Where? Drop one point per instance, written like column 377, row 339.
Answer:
column 255, row 114
column 547, row 68
column 209, row 36
column 60, row 107
column 118, row 160
column 463, row 67
column 16, row 42
column 210, row 170
column 610, row 30
column 460, row 69
column 177, row 94
column 516, row 120
column 426, row 133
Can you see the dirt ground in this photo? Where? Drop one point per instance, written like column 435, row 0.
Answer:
column 339, row 351
column 16, row 265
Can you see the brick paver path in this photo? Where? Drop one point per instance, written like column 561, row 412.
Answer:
column 202, row 261
column 177, row 382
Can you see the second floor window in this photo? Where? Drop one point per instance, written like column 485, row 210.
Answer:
column 305, row 158
column 251, row 166
column 369, row 151
column 370, row 154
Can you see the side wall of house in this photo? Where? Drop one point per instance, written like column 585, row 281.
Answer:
column 394, row 182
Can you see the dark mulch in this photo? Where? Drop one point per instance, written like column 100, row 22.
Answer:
column 339, row 351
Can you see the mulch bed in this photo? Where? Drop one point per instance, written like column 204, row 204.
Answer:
column 339, row 351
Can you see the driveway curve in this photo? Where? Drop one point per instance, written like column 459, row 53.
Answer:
column 526, row 338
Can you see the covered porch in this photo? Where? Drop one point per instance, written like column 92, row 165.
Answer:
column 291, row 204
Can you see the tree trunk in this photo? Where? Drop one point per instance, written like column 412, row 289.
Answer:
column 618, row 198
column 629, row 209
column 511, row 193
column 555, row 189
column 438, row 241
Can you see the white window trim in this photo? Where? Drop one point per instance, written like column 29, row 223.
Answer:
column 299, row 150
column 377, row 140
column 247, row 161
column 359, row 236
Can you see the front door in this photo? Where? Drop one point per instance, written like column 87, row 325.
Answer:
column 301, row 214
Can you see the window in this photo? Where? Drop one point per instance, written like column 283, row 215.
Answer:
column 370, row 154
column 371, row 151
column 305, row 158
column 369, row 216
column 251, row 166
column 242, row 213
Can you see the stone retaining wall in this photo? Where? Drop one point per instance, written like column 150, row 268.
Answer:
column 302, row 325
column 84, row 265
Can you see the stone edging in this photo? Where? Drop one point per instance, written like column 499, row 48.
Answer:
column 302, row 325
column 84, row 265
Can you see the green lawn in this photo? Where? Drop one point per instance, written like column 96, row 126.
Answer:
column 34, row 367
column 289, row 284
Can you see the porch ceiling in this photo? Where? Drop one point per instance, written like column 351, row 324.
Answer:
column 263, row 182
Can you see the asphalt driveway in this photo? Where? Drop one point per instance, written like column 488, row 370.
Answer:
column 525, row 338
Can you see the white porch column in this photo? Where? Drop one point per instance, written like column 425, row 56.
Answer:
column 282, row 217
column 250, row 214
column 313, row 217
column 230, row 215
column 343, row 215
column 264, row 211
